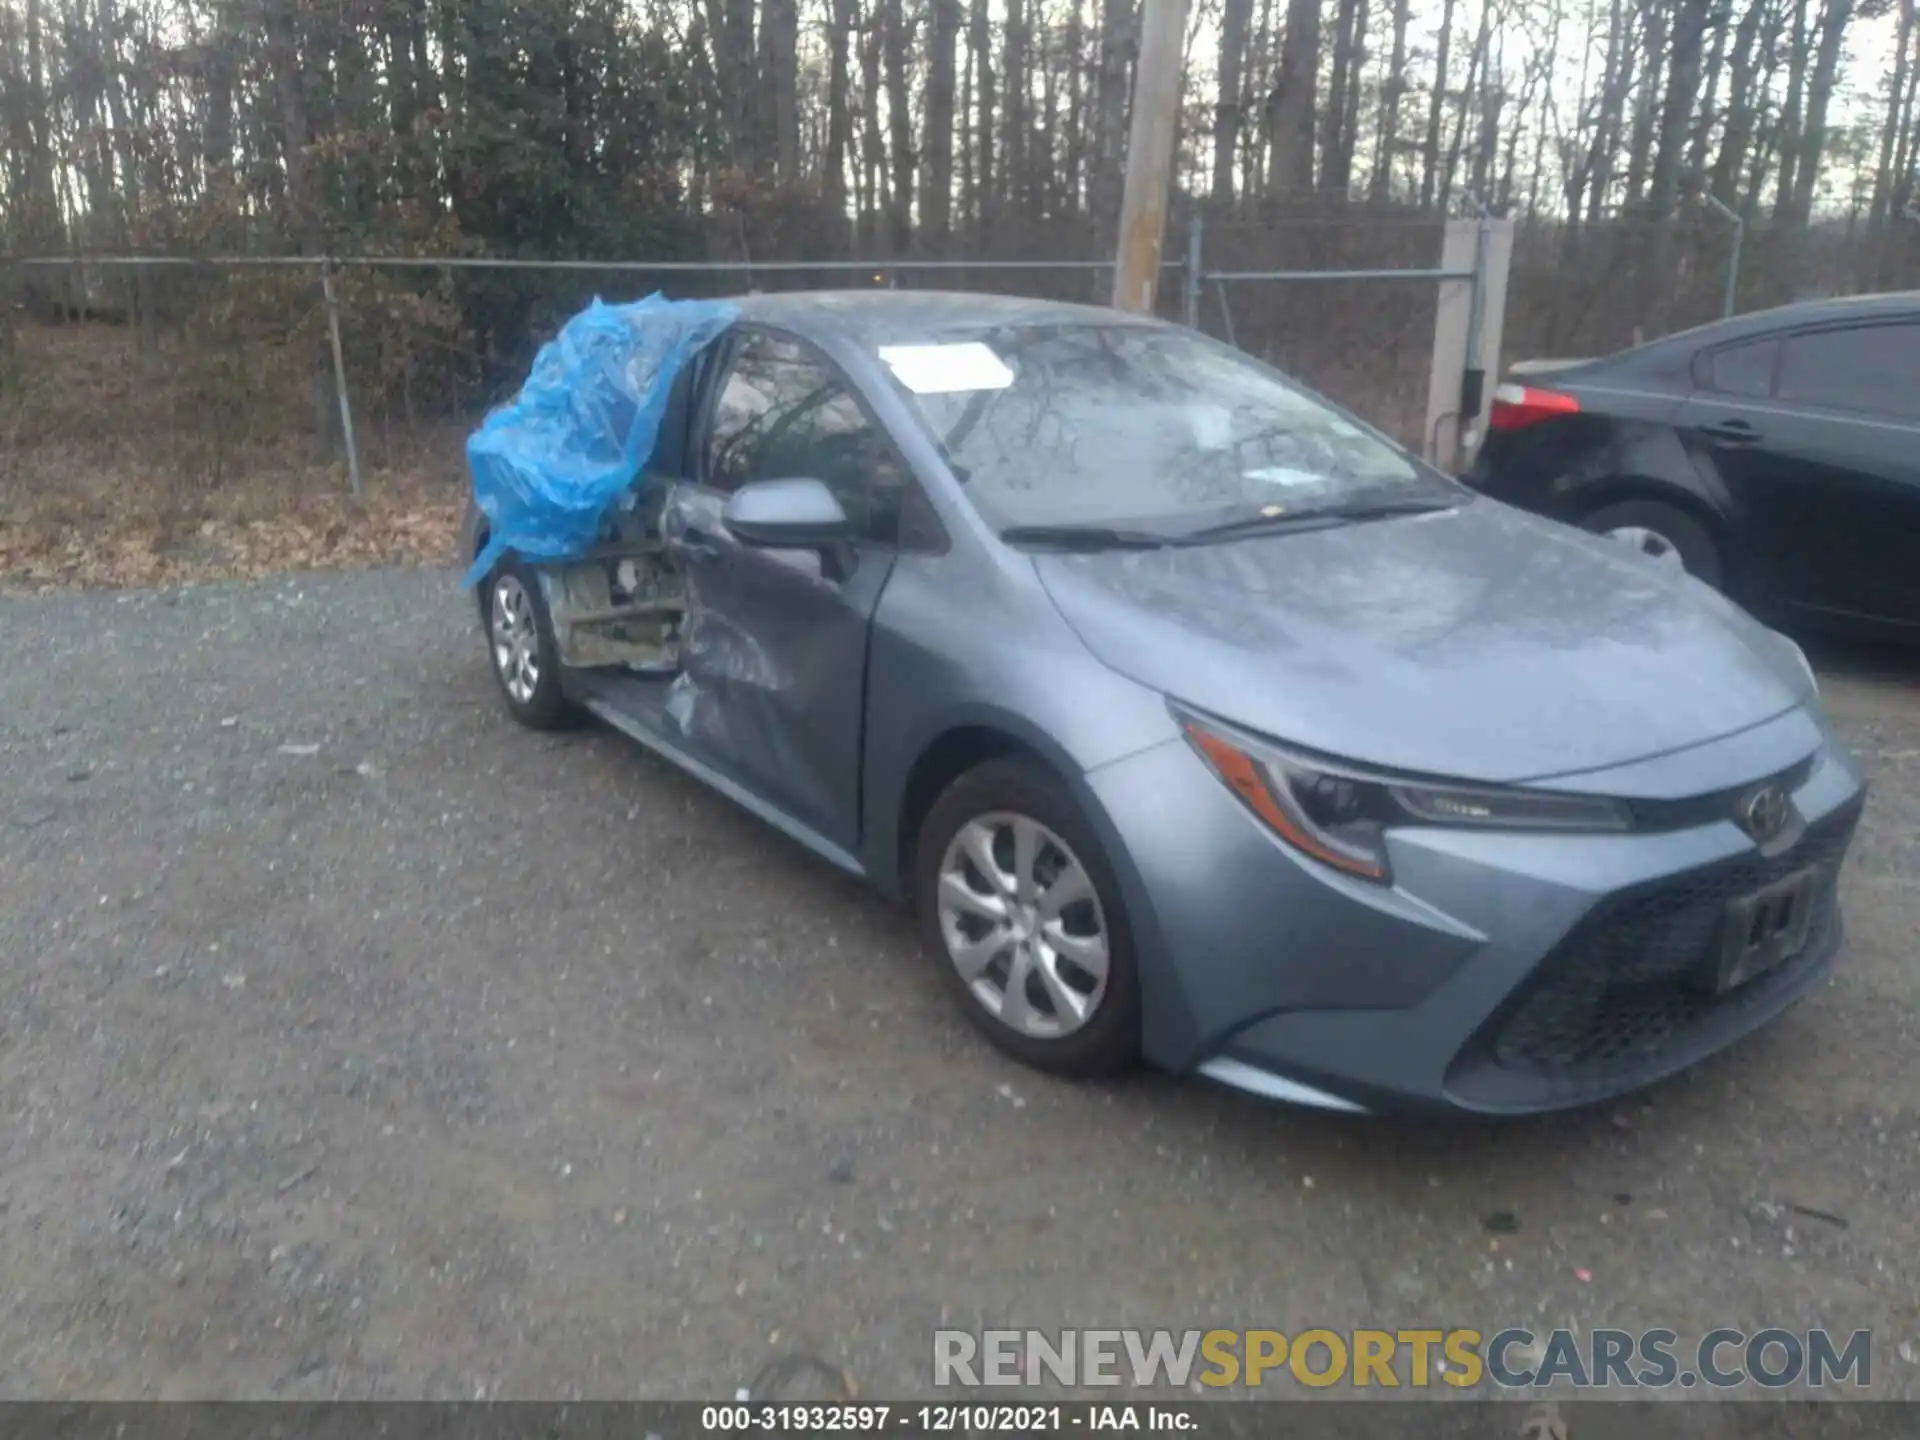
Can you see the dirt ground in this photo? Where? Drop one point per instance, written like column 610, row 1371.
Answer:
column 354, row 1042
column 198, row 462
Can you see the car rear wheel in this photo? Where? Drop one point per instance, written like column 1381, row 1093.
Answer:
column 520, row 642
column 1663, row 533
column 1019, row 908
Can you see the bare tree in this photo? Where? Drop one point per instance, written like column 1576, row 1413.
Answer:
column 1830, row 31
column 1787, row 140
column 1476, row 64
column 1719, row 27
column 899, row 44
column 872, row 170
column 1020, row 188
column 666, row 126
column 1891, row 130
column 839, row 112
column 1622, row 53
column 982, row 120
column 1343, row 95
column 1690, row 19
column 1900, row 188
column 1117, row 43
column 1436, row 103
column 1290, row 104
column 779, row 49
column 1230, row 101
column 730, row 24
column 1647, row 103
column 1392, row 90
column 936, row 188
column 1729, row 166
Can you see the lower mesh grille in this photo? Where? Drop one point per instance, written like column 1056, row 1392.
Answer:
column 1631, row 985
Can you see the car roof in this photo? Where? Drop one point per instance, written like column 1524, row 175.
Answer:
column 1890, row 305
column 1669, row 359
column 872, row 316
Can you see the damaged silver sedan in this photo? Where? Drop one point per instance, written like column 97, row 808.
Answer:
column 1197, row 720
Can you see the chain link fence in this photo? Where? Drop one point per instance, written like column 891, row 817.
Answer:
column 1584, row 290
column 172, row 379
column 1345, row 302
column 181, row 391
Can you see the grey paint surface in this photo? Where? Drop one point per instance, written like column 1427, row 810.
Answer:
column 1479, row 643
column 771, row 666
column 1475, row 644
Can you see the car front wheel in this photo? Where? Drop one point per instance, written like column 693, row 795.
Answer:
column 1020, row 909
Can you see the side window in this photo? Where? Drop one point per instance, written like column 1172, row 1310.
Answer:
column 1744, row 369
column 1872, row 369
column 782, row 413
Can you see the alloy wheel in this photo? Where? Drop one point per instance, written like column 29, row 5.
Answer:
column 516, row 639
column 1021, row 923
column 1650, row 543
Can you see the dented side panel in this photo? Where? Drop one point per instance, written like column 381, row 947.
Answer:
column 773, row 663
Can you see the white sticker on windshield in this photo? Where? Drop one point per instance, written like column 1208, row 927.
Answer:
column 947, row 369
column 1285, row 475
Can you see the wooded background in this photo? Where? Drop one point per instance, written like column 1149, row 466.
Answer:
column 1314, row 133
column 612, row 128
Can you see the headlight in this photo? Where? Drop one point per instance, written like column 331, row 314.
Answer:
column 1339, row 814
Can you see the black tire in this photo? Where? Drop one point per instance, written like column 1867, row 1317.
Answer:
column 544, row 706
column 1108, row 1041
column 1696, row 547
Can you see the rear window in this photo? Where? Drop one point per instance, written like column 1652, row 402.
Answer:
column 1869, row 369
column 1743, row 369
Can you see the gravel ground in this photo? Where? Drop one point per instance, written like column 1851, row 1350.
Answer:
column 355, row 1042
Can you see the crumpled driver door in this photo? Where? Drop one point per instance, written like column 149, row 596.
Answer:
column 773, row 654
column 774, row 650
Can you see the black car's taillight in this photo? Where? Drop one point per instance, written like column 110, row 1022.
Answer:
column 1515, row 407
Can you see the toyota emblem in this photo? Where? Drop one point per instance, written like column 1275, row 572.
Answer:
column 1765, row 812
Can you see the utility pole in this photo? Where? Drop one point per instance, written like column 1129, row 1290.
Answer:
column 1156, row 110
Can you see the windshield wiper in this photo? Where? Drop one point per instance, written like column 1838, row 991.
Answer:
column 1084, row 537
column 1316, row 518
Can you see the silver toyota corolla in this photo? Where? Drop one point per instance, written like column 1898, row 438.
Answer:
column 1198, row 721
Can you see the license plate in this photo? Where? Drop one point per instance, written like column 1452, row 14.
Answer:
column 1766, row 929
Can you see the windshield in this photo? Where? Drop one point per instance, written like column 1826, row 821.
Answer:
column 1122, row 425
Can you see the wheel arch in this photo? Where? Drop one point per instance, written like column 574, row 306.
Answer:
column 945, row 758
column 478, row 533
column 1620, row 489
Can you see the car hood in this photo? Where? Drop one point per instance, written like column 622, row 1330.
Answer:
column 1477, row 642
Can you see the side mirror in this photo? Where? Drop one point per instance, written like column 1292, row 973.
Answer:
column 786, row 515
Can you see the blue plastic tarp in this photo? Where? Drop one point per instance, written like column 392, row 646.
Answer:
column 550, row 465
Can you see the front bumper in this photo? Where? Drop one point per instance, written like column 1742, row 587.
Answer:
column 1501, row 973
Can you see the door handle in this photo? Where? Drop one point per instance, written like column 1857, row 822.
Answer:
column 1732, row 432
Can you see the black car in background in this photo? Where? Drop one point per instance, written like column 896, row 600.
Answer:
column 1775, row 455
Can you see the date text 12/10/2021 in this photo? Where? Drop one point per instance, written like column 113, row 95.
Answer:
column 946, row 1419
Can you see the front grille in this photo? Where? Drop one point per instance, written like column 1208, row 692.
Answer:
column 1716, row 804
column 1629, row 990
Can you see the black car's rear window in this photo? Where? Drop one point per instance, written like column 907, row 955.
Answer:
column 1743, row 369
column 1867, row 369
